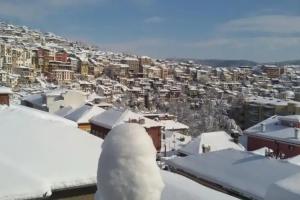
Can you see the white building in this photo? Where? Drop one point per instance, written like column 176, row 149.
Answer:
column 52, row 101
column 211, row 141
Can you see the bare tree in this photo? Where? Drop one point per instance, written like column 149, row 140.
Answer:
column 209, row 115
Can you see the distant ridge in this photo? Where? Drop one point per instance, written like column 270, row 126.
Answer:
column 233, row 63
column 217, row 62
column 288, row 62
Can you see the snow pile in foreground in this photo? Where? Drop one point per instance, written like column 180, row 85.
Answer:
column 127, row 169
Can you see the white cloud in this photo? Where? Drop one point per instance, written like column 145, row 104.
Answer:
column 259, row 38
column 154, row 20
column 273, row 48
column 269, row 42
column 282, row 24
column 36, row 9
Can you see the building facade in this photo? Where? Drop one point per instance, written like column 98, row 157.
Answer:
column 255, row 109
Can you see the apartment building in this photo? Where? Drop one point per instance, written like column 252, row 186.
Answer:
column 63, row 76
column 42, row 61
column 255, row 109
column 61, row 56
column 6, row 54
column 154, row 72
column 3, row 76
column 83, row 66
column 164, row 72
column 26, row 74
column 117, row 70
column 145, row 60
column 134, row 64
column 273, row 71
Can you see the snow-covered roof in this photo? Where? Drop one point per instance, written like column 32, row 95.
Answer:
column 17, row 184
column 178, row 187
column 274, row 129
column 5, row 90
column 94, row 96
column 173, row 125
column 289, row 118
column 285, row 189
column 243, row 172
column 82, row 57
column 266, row 100
column 42, row 115
column 261, row 151
column 56, row 92
column 216, row 140
column 84, row 113
column 64, row 111
column 36, row 99
column 114, row 117
column 130, row 59
column 294, row 160
column 173, row 141
column 43, row 153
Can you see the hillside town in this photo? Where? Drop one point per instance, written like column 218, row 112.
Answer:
column 217, row 132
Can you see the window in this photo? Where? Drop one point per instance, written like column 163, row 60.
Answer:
column 291, row 147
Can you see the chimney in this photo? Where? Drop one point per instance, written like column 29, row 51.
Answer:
column 141, row 121
column 4, row 95
column 205, row 148
column 262, row 127
column 297, row 133
column 269, row 153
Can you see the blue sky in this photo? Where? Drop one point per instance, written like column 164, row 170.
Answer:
column 260, row 30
